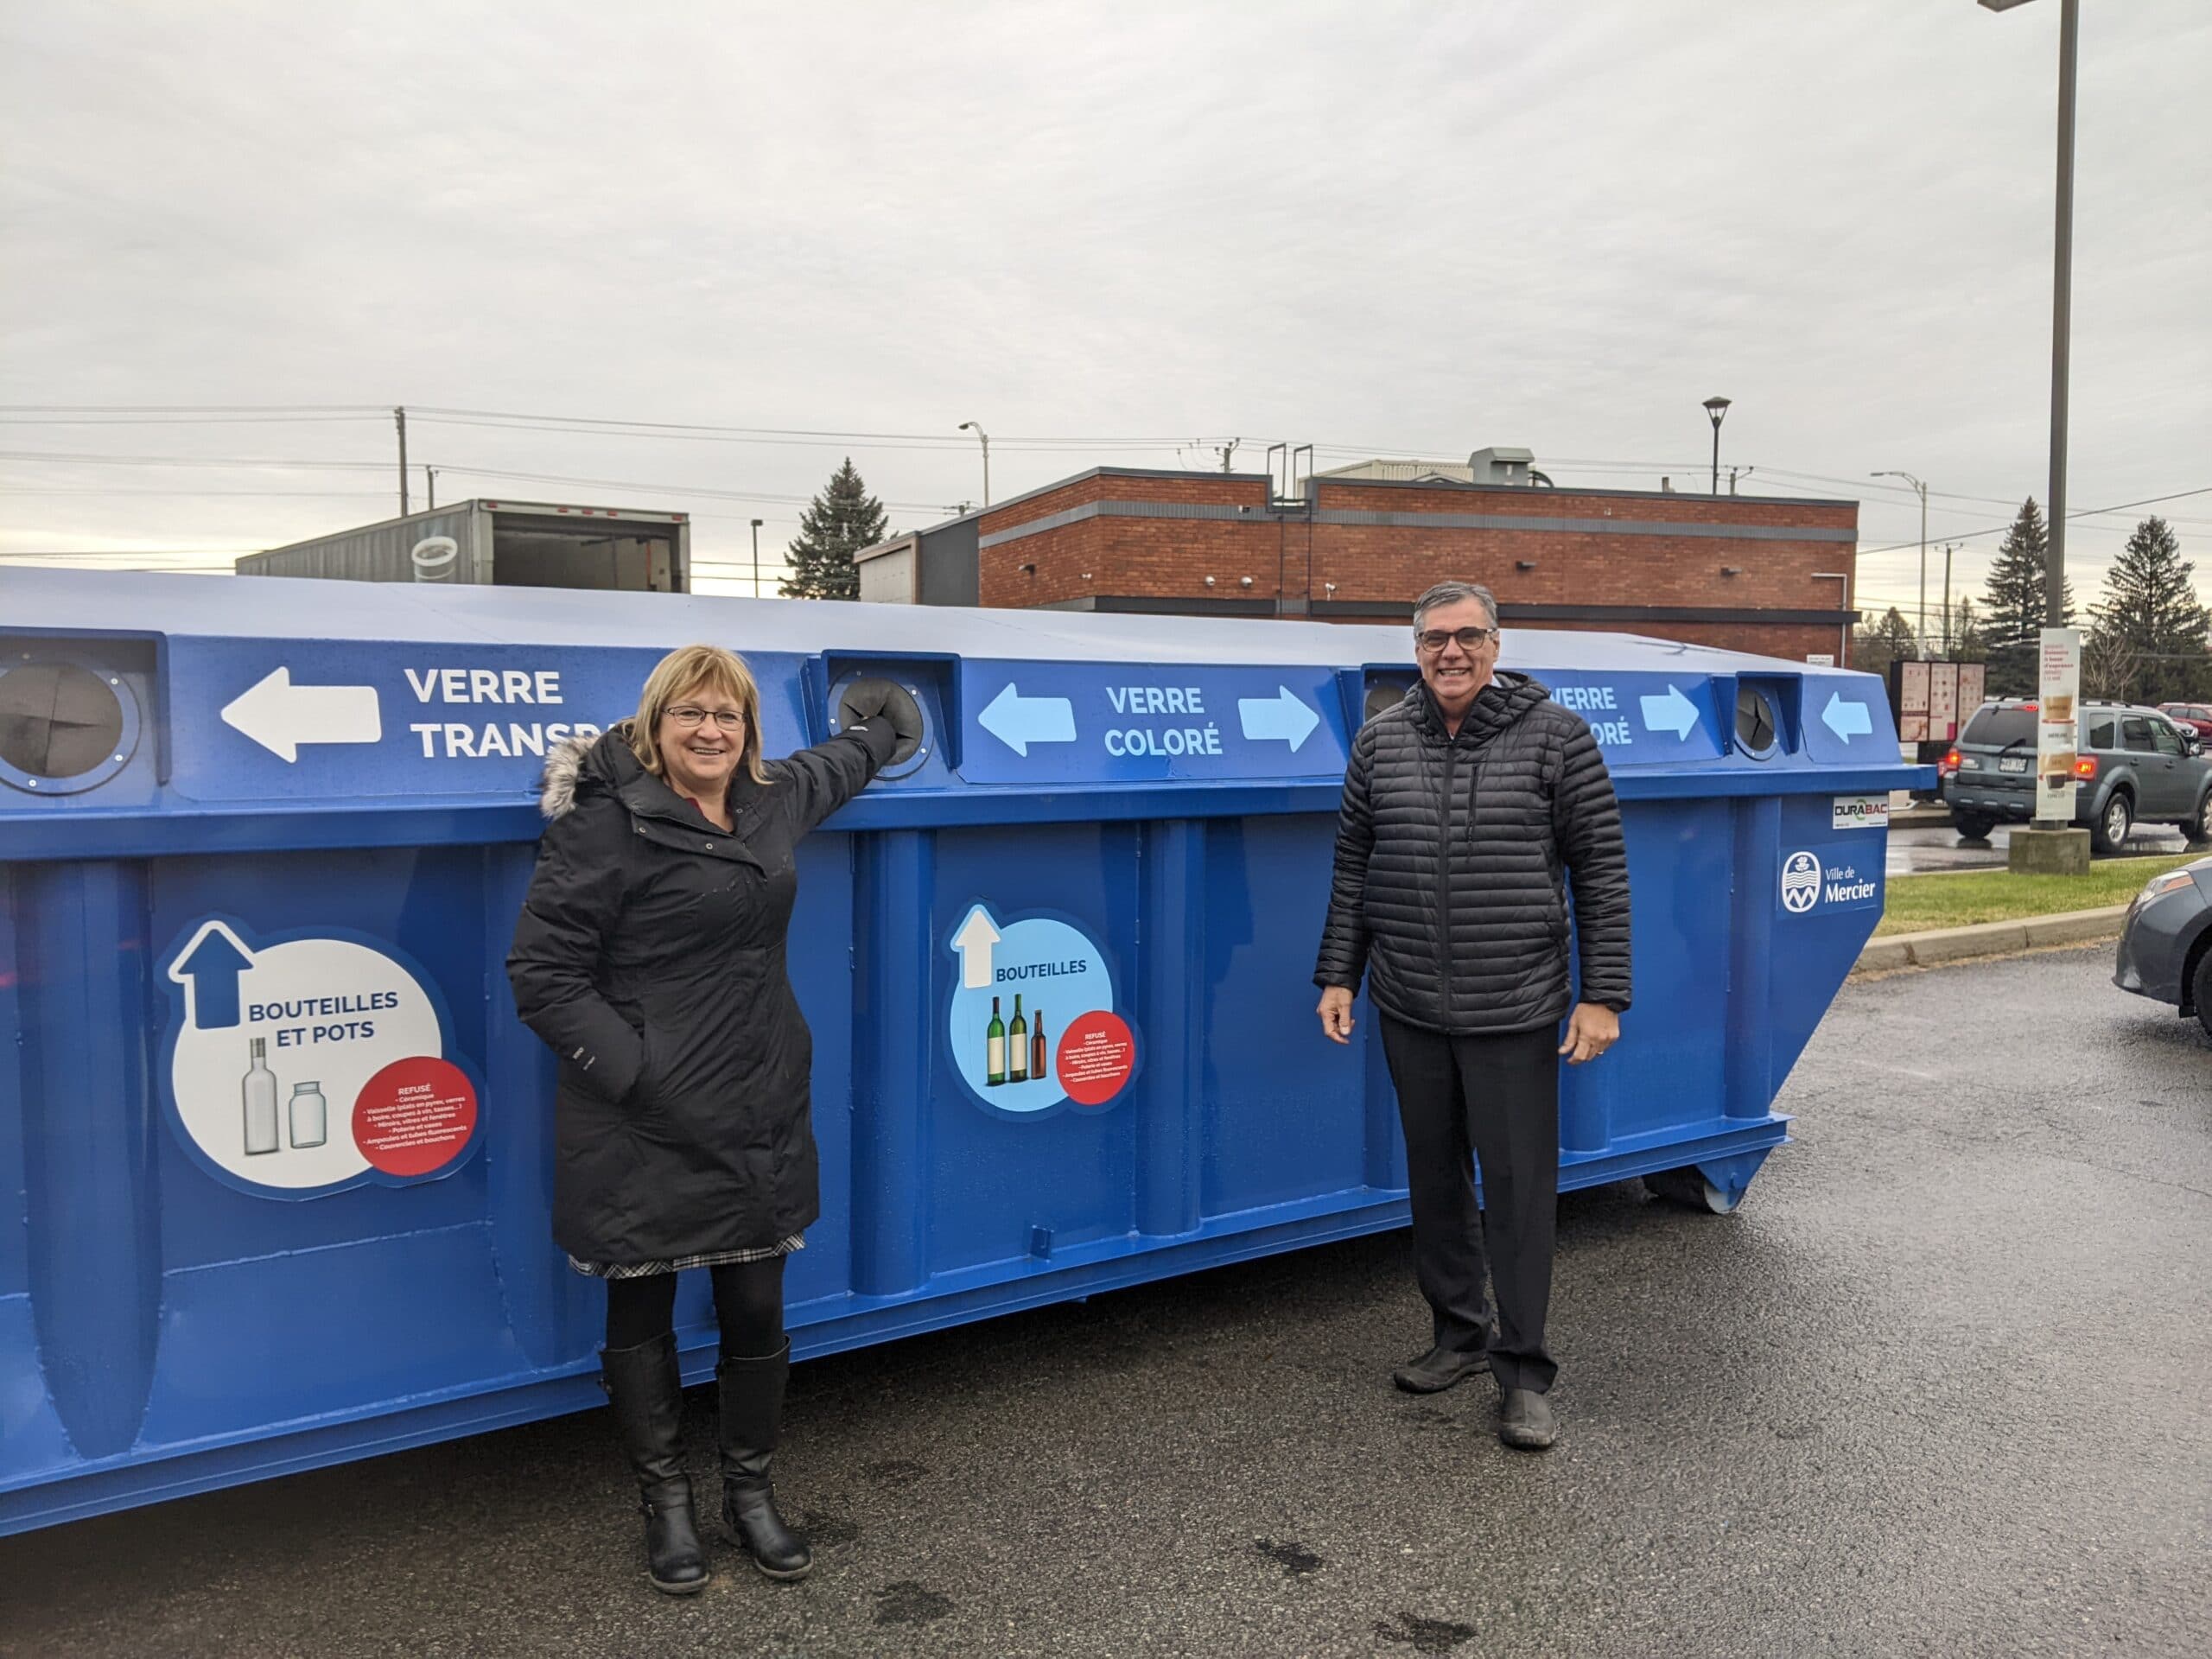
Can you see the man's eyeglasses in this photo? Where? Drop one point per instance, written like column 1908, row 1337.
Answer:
column 691, row 719
column 1434, row 639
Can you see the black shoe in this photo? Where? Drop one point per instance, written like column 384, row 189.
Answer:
column 751, row 1409
column 1439, row 1369
column 646, row 1391
column 1525, row 1421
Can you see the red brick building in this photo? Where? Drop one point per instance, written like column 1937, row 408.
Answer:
column 1763, row 574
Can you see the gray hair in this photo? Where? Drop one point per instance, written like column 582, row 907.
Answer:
column 1450, row 593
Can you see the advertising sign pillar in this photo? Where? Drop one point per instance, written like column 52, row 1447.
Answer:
column 2058, row 687
column 2052, row 845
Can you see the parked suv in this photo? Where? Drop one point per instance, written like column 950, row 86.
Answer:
column 2195, row 716
column 2132, row 765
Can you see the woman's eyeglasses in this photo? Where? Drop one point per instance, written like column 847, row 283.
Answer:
column 691, row 719
column 1470, row 639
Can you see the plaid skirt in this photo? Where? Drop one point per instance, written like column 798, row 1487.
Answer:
column 708, row 1259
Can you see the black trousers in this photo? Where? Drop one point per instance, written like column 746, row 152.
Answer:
column 1495, row 1100
column 748, row 1306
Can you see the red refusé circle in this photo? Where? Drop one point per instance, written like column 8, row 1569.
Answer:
column 414, row 1115
column 1098, row 1053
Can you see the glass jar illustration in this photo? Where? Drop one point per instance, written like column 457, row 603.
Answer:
column 310, row 1115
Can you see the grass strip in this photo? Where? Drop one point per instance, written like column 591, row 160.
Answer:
column 1917, row 903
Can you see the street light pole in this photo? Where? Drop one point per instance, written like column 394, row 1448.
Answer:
column 971, row 426
column 2061, row 302
column 1922, row 490
column 1714, row 409
column 756, row 557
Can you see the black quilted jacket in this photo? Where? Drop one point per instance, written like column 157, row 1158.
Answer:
column 1453, row 858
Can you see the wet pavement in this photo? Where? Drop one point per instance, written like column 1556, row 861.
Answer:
column 1942, row 1386
column 1916, row 849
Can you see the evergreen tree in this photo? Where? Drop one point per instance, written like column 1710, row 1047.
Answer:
column 2014, row 612
column 842, row 518
column 1892, row 639
column 2149, row 629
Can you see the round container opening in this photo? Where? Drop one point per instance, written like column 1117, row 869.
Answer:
column 1381, row 694
column 58, row 721
column 895, row 704
column 1755, row 725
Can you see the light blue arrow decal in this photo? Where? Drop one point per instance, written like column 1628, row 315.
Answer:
column 1846, row 720
column 1283, row 718
column 1672, row 712
column 1018, row 721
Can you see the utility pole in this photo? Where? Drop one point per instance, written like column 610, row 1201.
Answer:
column 971, row 426
column 399, row 419
column 756, row 557
column 2061, row 311
column 430, row 480
column 1949, row 549
column 1922, row 490
column 1227, row 450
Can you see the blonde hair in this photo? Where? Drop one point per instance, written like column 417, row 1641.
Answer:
column 686, row 670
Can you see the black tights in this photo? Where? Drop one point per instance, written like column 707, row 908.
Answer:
column 748, row 1305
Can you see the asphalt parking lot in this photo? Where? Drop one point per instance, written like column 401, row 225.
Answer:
column 1942, row 1386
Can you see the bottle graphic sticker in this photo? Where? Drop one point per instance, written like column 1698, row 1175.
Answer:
column 259, row 1090
column 1037, row 1066
column 994, row 1048
column 1017, row 1037
column 310, row 1115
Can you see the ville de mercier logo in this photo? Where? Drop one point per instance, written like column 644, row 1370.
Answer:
column 1801, row 882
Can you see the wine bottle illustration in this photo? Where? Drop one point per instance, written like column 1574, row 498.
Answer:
column 1037, row 1067
column 994, row 1048
column 1017, row 1036
column 310, row 1115
column 258, row 1092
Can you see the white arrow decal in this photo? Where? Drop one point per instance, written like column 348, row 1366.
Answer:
column 1672, row 712
column 280, row 716
column 1018, row 721
column 1846, row 720
column 1283, row 718
column 973, row 942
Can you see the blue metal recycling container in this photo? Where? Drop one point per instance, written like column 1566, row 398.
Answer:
column 274, row 1154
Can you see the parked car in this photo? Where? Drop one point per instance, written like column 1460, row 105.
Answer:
column 2132, row 765
column 2197, row 716
column 2165, row 944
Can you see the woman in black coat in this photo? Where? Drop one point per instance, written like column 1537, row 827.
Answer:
column 650, row 957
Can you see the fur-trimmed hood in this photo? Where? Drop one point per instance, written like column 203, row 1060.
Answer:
column 564, row 771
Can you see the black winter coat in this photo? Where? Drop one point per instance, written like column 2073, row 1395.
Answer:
column 649, row 956
column 1452, row 855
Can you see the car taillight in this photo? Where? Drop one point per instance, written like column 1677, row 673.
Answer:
column 2086, row 766
column 1948, row 764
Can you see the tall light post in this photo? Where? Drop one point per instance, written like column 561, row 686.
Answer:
column 1922, row 489
column 757, row 523
column 985, row 438
column 2061, row 301
column 1714, row 409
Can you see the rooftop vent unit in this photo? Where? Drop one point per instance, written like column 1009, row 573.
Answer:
column 1501, row 464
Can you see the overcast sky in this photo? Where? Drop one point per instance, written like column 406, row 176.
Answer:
column 1113, row 233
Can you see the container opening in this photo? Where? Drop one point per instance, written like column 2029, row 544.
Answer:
column 1381, row 694
column 1757, row 726
column 865, row 698
column 58, row 721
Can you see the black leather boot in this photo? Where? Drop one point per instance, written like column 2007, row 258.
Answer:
column 646, row 1391
column 752, row 1407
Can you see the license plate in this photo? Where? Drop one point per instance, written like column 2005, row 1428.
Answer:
column 2013, row 763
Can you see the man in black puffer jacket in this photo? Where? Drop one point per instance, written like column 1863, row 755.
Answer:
column 1468, row 809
